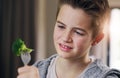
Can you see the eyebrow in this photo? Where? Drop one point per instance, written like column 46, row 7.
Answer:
column 73, row 27
column 61, row 23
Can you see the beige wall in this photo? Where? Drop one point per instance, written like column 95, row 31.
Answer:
column 45, row 14
column 50, row 22
column 114, row 3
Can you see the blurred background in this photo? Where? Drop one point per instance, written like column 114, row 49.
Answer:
column 33, row 21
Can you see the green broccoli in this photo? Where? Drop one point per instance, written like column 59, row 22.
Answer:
column 19, row 47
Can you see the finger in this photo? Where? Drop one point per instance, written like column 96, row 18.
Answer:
column 27, row 69
column 23, row 69
column 32, row 73
column 25, row 75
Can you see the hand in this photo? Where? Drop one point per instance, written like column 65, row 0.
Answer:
column 28, row 72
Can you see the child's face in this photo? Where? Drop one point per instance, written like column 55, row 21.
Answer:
column 72, row 33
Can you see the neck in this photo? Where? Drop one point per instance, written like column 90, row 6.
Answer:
column 73, row 62
column 74, row 66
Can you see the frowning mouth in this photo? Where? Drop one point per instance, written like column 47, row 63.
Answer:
column 65, row 48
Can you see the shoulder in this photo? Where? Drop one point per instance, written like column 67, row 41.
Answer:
column 100, row 70
column 112, row 73
column 44, row 62
column 43, row 65
column 105, row 71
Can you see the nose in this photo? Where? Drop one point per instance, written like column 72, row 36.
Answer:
column 67, row 37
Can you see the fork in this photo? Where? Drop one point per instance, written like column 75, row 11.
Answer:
column 25, row 57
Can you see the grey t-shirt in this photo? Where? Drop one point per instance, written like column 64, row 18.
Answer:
column 95, row 70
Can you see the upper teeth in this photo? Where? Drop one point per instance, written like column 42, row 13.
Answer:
column 65, row 46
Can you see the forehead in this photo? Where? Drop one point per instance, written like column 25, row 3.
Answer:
column 73, row 16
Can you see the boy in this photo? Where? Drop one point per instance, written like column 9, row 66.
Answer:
column 78, row 27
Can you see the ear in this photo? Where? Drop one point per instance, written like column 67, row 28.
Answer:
column 98, row 39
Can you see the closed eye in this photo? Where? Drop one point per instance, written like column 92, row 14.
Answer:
column 79, row 33
column 61, row 27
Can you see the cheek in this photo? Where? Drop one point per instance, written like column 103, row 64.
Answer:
column 57, row 34
column 81, row 44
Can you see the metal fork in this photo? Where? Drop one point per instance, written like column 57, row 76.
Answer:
column 26, row 57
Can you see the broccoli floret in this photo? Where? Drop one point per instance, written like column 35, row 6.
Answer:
column 19, row 47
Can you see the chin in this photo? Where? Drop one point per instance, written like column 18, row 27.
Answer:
column 65, row 55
